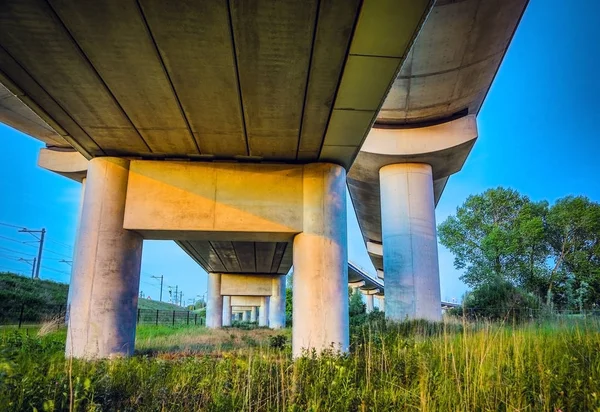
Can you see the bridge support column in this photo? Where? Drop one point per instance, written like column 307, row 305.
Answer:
column 263, row 312
column 370, row 303
column 254, row 315
column 106, row 268
column 214, row 302
column 320, row 319
column 226, row 310
column 246, row 315
column 410, row 257
column 277, row 304
column 73, row 263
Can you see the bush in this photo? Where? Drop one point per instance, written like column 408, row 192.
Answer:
column 498, row 300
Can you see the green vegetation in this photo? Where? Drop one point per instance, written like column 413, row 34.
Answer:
column 156, row 305
column 17, row 290
column 543, row 256
column 410, row 366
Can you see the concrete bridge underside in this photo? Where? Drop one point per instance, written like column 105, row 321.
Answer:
column 385, row 90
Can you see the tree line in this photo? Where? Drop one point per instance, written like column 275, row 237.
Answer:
column 516, row 252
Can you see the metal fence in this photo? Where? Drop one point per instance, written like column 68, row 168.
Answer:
column 25, row 315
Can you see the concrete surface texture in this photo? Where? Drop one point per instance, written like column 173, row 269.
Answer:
column 445, row 147
column 297, row 81
column 410, row 258
column 453, row 61
column 369, row 303
column 106, row 268
column 277, row 303
column 263, row 312
column 227, row 313
column 214, row 301
column 320, row 284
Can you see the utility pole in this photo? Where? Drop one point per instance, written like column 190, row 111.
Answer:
column 176, row 293
column 180, row 298
column 161, row 284
column 32, row 265
column 41, row 248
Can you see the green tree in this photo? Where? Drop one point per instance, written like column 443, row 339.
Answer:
column 497, row 235
column 573, row 232
column 355, row 304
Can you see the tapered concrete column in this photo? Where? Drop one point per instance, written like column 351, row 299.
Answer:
column 246, row 316
column 106, row 268
column 370, row 303
column 214, row 302
column 277, row 304
column 254, row 315
column 263, row 312
column 226, row 310
column 410, row 257
column 320, row 319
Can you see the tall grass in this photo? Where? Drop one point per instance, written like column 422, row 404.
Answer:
column 414, row 366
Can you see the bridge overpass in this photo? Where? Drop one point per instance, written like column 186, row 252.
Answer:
column 233, row 129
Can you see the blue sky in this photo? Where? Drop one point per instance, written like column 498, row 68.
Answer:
column 538, row 133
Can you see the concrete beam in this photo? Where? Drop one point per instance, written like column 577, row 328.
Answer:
column 65, row 162
column 375, row 248
column 247, row 285
column 233, row 199
column 253, row 301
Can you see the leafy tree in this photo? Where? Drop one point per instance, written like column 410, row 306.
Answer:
column 497, row 235
column 356, row 305
column 549, row 251
column 573, row 232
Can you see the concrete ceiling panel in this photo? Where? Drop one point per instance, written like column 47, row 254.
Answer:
column 334, row 30
column 366, row 79
column 227, row 255
column 114, row 37
column 265, row 252
column 246, row 256
column 273, row 44
column 35, row 37
column 347, row 127
column 387, row 27
column 195, row 42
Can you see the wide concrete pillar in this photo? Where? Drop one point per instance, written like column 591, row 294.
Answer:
column 263, row 312
column 214, row 302
column 370, row 303
column 246, row 316
column 254, row 315
column 277, row 303
column 320, row 318
column 106, row 268
column 410, row 257
column 227, row 311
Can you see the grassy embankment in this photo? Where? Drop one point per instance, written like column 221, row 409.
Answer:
column 491, row 367
column 47, row 296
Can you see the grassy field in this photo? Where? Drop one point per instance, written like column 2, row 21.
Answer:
column 448, row 367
